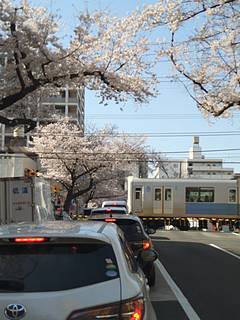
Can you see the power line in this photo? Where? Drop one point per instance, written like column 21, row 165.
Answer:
column 160, row 115
column 120, row 160
column 150, row 116
column 150, row 134
column 93, row 154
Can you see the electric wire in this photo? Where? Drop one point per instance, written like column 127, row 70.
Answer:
column 148, row 134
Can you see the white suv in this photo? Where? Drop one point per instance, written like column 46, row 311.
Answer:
column 70, row 271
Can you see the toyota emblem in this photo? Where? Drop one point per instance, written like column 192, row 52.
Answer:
column 15, row 311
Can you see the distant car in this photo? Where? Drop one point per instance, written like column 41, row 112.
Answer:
column 68, row 271
column 116, row 203
column 109, row 211
column 136, row 236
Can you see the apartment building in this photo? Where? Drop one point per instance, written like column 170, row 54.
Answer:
column 196, row 166
column 68, row 102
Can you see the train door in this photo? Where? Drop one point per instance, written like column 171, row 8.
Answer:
column 138, row 206
column 162, row 200
column 168, row 201
column 157, row 200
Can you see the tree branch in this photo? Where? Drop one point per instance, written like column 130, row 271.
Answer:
column 199, row 84
column 85, row 190
column 194, row 14
column 31, row 124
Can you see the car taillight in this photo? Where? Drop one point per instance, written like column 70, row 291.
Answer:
column 30, row 239
column 133, row 309
column 147, row 244
column 101, row 312
column 127, row 310
column 110, row 220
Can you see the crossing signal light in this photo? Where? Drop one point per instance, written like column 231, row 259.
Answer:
column 30, row 172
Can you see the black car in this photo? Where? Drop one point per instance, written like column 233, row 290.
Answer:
column 136, row 236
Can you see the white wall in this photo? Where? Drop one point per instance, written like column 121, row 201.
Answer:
column 13, row 165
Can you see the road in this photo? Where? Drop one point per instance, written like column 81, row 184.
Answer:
column 195, row 278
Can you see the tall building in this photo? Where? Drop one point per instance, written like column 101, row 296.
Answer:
column 196, row 166
column 68, row 103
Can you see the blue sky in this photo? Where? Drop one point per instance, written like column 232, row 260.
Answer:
column 173, row 111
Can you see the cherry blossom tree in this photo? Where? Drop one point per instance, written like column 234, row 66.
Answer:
column 204, row 49
column 106, row 54
column 111, row 54
column 83, row 164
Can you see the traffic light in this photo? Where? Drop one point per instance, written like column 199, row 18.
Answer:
column 55, row 188
column 30, row 172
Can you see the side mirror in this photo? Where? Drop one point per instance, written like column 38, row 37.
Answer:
column 149, row 255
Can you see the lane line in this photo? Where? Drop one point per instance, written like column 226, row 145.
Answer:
column 224, row 250
column 190, row 312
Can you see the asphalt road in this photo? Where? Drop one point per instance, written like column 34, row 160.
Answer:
column 196, row 280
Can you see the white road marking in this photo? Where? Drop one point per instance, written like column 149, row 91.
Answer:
column 219, row 248
column 190, row 312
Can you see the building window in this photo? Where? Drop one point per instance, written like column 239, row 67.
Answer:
column 72, row 93
column 232, row 195
column 199, row 194
column 60, row 109
column 158, row 194
column 63, row 93
column 72, row 111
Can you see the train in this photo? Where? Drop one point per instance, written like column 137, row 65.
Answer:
column 184, row 202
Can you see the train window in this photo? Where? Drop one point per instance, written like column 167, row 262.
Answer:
column 168, row 194
column 157, row 194
column 138, row 193
column 199, row 194
column 206, row 195
column 192, row 194
column 232, row 195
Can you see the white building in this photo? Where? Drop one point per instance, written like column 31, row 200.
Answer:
column 68, row 103
column 14, row 164
column 196, row 166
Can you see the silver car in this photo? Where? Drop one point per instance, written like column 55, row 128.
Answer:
column 109, row 211
column 70, row 271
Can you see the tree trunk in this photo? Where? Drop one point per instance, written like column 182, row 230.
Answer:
column 68, row 200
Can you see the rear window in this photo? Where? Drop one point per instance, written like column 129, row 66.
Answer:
column 54, row 267
column 115, row 205
column 106, row 211
column 132, row 229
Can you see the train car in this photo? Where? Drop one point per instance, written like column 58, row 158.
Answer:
column 160, row 201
